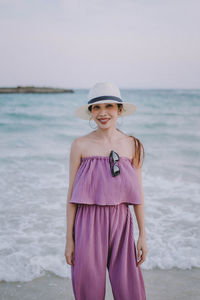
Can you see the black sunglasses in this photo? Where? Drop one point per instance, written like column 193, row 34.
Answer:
column 113, row 159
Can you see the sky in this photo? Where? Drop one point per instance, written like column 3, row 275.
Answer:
column 74, row 44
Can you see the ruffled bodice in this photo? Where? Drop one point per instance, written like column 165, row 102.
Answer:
column 94, row 183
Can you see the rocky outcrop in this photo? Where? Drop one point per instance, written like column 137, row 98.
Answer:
column 33, row 89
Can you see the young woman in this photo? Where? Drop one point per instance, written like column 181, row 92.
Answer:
column 105, row 178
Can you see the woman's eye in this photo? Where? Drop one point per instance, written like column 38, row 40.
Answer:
column 96, row 106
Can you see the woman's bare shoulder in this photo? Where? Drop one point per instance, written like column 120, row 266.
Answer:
column 127, row 143
column 83, row 139
column 124, row 136
column 81, row 142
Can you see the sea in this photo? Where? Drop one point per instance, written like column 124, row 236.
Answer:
column 36, row 132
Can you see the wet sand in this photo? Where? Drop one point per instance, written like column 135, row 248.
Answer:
column 171, row 284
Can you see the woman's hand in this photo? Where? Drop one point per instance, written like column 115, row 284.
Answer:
column 141, row 249
column 69, row 252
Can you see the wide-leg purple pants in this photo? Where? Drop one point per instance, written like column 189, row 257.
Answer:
column 104, row 239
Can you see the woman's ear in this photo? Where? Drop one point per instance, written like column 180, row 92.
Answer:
column 119, row 111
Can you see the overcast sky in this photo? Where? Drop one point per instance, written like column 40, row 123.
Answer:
column 74, row 44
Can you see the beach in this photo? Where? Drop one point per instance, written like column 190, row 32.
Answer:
column 36, row 134
column 160, row 285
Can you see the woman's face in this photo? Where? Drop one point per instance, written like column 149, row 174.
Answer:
column 105, row 114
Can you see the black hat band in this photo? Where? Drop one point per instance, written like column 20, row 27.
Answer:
column 105, row 98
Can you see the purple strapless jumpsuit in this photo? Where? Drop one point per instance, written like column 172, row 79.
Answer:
column 103, row 231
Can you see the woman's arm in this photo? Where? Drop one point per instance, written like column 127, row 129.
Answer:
column 139, row 213
column 74, row 163
column 139, row 209
column 75, row 160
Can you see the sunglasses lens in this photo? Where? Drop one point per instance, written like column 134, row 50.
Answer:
column 115, row 156
column 116, row 170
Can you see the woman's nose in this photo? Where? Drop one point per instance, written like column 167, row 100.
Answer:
column 103, row 113
column 103, row 110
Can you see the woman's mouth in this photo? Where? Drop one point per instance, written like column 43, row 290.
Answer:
column 104, row 120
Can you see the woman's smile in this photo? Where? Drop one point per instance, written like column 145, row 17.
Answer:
column 104, row 120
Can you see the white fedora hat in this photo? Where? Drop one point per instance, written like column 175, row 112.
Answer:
column 104, row 92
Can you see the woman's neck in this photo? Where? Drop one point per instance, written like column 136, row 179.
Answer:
column 108, row 135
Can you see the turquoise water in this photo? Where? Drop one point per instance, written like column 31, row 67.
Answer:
column 35, row 136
